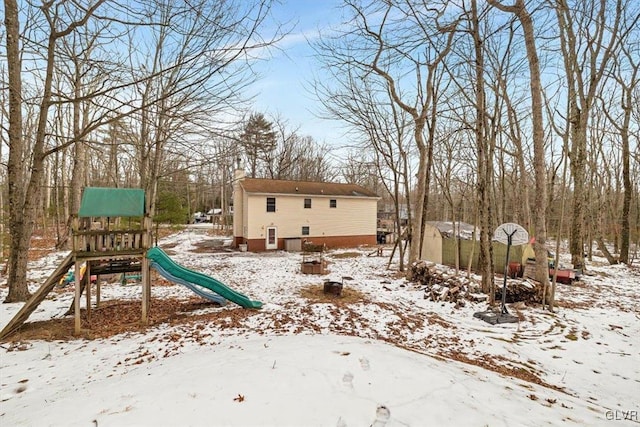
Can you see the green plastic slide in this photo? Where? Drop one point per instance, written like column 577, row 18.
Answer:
column 161, row 258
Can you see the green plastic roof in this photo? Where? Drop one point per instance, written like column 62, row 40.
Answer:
column 112, row 202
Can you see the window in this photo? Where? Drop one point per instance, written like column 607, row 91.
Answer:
column 271, row 204
column 333, row 203
column 307, row 203
column 305, row 230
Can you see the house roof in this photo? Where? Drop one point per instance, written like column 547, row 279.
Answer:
column 112, row 202
column 308, row 188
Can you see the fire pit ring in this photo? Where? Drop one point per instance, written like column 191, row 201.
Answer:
column 332, row 288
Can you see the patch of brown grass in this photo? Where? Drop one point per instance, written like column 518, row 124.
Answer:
column 434, row 319
column 168, row 246
column 315, row 294
column 119, row 316
column 602, row 274
column 574, row 305
column 346, row 255
column 210, row 246
column 42, row 243
column 502, row 366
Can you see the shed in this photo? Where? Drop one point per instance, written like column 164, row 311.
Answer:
column 438, row 244
column 444, row 241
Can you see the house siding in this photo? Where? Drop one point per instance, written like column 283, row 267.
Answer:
column 351, row 217
column 351, row 223
column 258, row 245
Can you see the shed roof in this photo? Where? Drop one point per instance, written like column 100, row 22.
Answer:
column 446, row 229
column 112, row 202
column 308, row 188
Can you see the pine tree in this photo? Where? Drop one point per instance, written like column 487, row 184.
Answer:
column 257, row 139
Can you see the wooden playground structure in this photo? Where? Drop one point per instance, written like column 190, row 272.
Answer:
column 99, row 242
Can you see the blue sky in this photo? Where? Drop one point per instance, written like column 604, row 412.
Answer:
column 285, row 77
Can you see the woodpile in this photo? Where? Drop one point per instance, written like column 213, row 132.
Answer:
column 443, row 284
column 310, row 247
column 526, row 290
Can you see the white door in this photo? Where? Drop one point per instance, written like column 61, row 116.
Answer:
column 272, row 238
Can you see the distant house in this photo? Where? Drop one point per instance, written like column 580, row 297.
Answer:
column 387, row 213
column 278, row 214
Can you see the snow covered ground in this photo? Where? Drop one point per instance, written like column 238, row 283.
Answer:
column 388, row 357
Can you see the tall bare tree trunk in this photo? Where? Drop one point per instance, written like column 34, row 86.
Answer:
column 24, row 201
column 587, row 56
column 485, row 257
column 622, row 124
column 628, row 188
column 539, row 165
column 17, row 264
column 79, row 170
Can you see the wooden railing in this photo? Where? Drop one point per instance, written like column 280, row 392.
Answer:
column 95, row 241
column 108, row 241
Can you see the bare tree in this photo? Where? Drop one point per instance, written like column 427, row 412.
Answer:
column 15, row 175
column 626, row 74
column 449, row 166
column 604, row 198
column 286, row 154
column 587, row 58
column 484, row 156
column 314, row 162
column 539, row 165
column 506, row 64
column 208, row 40
column 391, row 41
column 197, row 68
column 384, row 131
column 24, row 190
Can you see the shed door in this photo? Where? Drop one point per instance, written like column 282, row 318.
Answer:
column 272, row 238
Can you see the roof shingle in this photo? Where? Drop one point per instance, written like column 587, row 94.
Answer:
column 274, row 186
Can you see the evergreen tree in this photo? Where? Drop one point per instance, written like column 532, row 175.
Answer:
column 257, row 139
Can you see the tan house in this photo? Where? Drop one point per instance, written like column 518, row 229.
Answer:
column 270, row 214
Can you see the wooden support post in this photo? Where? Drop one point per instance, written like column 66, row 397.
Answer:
column 146, row 289
column 145, row 243
column 87, row 280
column 146, row 232
column 97, row 290
column 77, row 299
column 74, row 237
